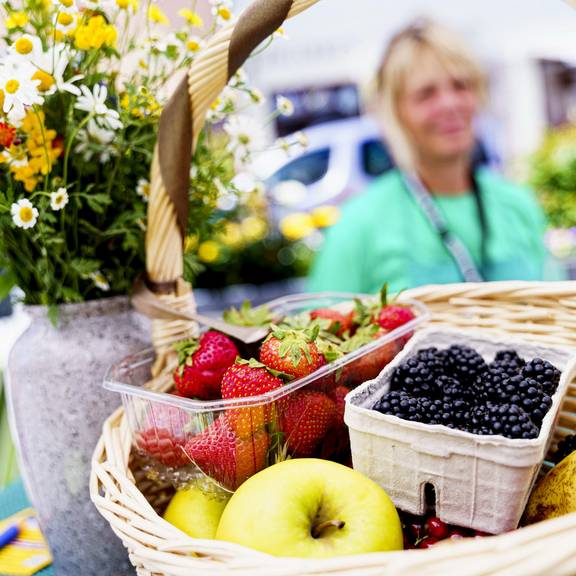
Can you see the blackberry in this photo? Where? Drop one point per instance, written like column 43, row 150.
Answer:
column 432, row 410
column 453, row 390
column 417, row 374
column 511, row 359
column 565, row 447
column 464, row 363
column 511, row 421
column 543, row 372
column 479, row 421
column 401, row 404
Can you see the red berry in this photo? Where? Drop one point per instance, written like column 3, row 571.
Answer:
column 416, row 530
column 393, row 316
column 436, row 528
column 428, row 542
column 341, row 323
column 202, row 365
column 457, row 535
column 481, row 534
column 306, row 420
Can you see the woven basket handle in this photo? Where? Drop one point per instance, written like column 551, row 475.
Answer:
column 180, row 125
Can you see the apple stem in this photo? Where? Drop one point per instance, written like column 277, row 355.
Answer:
column 318, row 529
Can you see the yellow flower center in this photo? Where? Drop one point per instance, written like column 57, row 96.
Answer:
column 23, row 46
column 123, row 4
column 224, row 13
column 156, row 15
column 12, row 86
column 65, row 19
column 46, row 80
column 193, row 45
column 59, row 199
column 26, row 214
column 67, row 3
column 2, row 96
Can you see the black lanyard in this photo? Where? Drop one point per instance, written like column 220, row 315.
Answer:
column 455, row 247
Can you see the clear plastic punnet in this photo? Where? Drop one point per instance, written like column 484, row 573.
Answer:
column 221, row 443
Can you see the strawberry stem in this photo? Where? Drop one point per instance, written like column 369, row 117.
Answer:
column 384, row 295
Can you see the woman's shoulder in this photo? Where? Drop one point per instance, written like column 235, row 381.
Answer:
column 500, row 190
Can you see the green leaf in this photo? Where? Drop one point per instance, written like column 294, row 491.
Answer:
column 7, row 282
column 70, row 295
column 98, row 202
column 186, row 349
column 85, row 266
column 53, row 314
column 248, row 316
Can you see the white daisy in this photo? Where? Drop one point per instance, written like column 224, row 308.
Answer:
column 301, row 139
column 26, row 48
column 240, row 78
column 284, row 106
column 96, row 140
column 65, row 5
column 222, row 11
column 95, row 103
column 59, row 199
column 53, row 64
column 65, row 21
column 24, row 215
column 15, row 156
column 19, row 88
column 256, row 96
column 246, row 136
column 193, row 44
column 244, row 182
column 143, row 189
column 100, row 281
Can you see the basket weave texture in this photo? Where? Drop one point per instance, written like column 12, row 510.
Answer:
column 540, row 311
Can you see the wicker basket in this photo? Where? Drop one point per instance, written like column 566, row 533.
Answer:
column 539, row 311
column 543, row 312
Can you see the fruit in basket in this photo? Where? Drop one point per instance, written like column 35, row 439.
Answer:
column 336, row 442
column 202, row 363
column 544, row 373
column 196, row 512
column 555, row 494
column 311, row 508
column 164, row 434
column 250, row 378
column 340, row 323
column 293, row 352
column 455, row 387
column 305, row 420
column 226, row 457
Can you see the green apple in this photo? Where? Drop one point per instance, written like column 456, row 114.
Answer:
column 313, row 509
column 196, row 512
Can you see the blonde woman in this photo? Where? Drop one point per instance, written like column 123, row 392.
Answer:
column 434, row 219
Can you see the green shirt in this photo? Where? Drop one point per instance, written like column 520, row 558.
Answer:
column 383, row 236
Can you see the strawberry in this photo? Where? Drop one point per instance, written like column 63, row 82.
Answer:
column 308, row 415
column 292, row 351
column 393, row 316
column 370, row 365
column 164, row 435
column 225, row 457
column 340, row 323
column 336, row 443
column 249, row 378
column 202, row 365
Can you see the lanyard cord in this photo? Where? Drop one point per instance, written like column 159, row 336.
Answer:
column 459, row 252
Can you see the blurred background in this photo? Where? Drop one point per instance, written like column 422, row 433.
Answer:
column 325, row 66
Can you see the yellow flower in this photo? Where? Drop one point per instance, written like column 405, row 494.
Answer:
column 95, row 33
column 231, row 236
column 297, row 226
column 193, row 44
column 16, row 20
column 155, row 14
column 254, row 228
column 66, row 3
column 224, row 13
column 125, row 4
column 65, row 19
column 193, row 18
column 325, row 216
column 190, row 243
column 23, row 45
column 46, row 80
column 209, row 251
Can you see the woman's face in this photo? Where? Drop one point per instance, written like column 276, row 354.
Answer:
column 437, row 110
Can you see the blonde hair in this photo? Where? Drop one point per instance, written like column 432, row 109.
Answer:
column 402, row 58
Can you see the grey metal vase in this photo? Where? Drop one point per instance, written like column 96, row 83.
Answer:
column 57, row 407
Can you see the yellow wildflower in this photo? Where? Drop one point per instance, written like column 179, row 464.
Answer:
column 325, row 216
column 65, row 19
column 224, row 13
column 125, row 4
column 209, row 251
column 254, row 228
column 16, row 20
column 95, row 33
column 23, row 45
column 193, row 18
column 155, row 14
column 297, row 226
column 46, row 80
column 190, row 243
column 26, row 175
column 231, row 236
